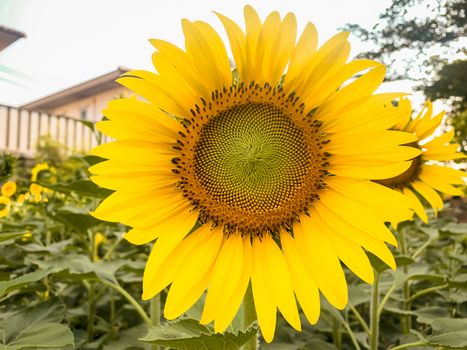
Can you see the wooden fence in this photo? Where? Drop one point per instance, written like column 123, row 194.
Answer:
column 20, row 130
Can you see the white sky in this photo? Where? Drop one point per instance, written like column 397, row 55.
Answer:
column 71, row 41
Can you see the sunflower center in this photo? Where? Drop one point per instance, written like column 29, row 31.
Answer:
column 409, row 176
column 251, row 157
column 251, row 160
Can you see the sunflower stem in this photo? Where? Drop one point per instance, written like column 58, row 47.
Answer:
column 91, row 290
column 155, row 313
column 409, row 345
column 374, row 317
column 336, row 333
column 359, row 318
column 131, row 300
column 406, row 305
column 249, row 316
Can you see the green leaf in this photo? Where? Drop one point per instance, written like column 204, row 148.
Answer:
column 318, row 344
column 128, row 339
column 53, row 248
column 6, row 236
column 448, row 332
column 455, row 228
column 46, row 335
column 377, row 263
column 81, row 265
column 430, row 313
column 359, row 294
column 188, row 334
column 92, row 160
column 82, row 187
column 17, row 283
column 403, row 260
column 38, row 327
column 76, row 217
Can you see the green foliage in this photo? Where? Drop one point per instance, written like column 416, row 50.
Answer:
column 188, row 334
column 451, row 86
column 37, row 327
column 413, row 28
column 7, row 166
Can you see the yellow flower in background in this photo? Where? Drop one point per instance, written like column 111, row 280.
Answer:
column 273, row 163
column 8, row 188
column 37, row 169
column 26, row 236
column 427, row 177
column 4, row 206
column 35, row 189
column 23, row 197
column 98, row 240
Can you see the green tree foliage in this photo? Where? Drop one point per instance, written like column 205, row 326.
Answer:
column 413, row 36
column 451, row 85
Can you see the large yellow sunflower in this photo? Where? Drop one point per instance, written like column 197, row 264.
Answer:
column 260, row 175
column 427, row 175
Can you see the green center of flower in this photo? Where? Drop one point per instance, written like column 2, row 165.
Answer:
column 251, row 157
column 251, row 160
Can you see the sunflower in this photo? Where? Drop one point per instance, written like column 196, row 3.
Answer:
column 38, row 168
column 4, row 206
column 427, row 175
column 8, row 188
column 258, row 175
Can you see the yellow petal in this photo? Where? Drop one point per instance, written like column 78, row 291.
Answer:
column 194, row 274
column 351, row 254
column 181, row 221
column 452, row 176
column 387, row 204
column 429, row 194
column 362, row 86
column 416, row 205
column 303, row 284
column 225, row 317
column 356, row 215
column 225, row 277
column 370, row 113
column 207, row 51
column 264, row 302
column 237, row 41
column 321, row 260
column 149, row 117
column 168, row 253
column 440, row 184
column 370, row 172
column 278, row 278
column 172, row 62
column 302, row 53
column 253, row 28
column 156, row 93
column 275, row 44
column 136, row 150
column 361, row 237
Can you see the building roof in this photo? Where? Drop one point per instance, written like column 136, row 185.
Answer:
column 87, row 89
column 8, row 36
